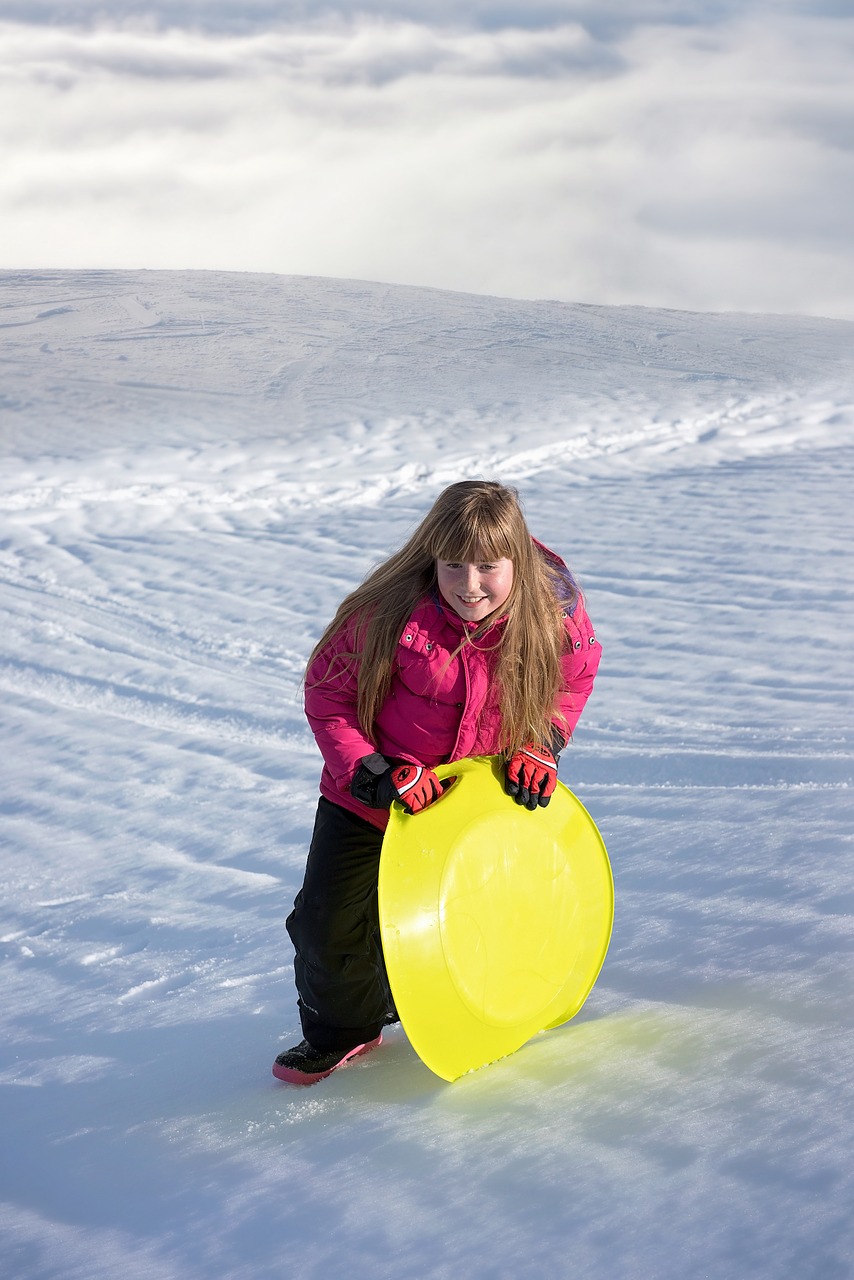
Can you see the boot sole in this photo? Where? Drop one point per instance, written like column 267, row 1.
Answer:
column 292, row 1075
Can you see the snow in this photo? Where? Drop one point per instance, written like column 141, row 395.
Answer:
column 196, row 467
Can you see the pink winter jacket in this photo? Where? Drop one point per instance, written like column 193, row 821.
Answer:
column 435, row 711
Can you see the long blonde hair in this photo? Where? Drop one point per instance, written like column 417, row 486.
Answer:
column 471, row 521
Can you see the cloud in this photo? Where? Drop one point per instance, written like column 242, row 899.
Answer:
column 368, row 52
column 698, row 165
column 602, row 17
column 605, row 19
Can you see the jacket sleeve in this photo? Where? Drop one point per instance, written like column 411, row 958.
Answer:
column 330, row 708
column 580, row 664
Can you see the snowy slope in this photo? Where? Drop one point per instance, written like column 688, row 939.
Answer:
column 195, row 467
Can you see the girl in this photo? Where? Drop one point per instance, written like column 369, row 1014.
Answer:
column 471, row 640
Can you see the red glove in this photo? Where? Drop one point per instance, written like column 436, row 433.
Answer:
column 415, row 786
column 531, row 776
column 378, row 784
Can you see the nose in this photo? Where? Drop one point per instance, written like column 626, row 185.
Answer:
column 472, row 579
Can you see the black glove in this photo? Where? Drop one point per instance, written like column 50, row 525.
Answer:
column 377, row 784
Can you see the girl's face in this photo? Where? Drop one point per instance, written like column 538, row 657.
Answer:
column 474, row 590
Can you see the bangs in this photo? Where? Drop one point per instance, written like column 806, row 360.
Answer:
column 481, row 543
column 475, row 522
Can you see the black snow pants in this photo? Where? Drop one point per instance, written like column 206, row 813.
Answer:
column 341, row 981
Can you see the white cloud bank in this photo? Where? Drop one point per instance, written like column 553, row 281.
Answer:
column 703, row 167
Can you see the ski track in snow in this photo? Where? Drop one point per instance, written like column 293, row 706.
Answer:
column 196, row 468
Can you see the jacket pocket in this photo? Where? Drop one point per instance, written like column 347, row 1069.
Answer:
column 428, row 671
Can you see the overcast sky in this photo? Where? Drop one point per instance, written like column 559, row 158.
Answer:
column 694, row 155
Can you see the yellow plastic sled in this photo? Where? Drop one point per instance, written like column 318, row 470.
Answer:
column 495, row 921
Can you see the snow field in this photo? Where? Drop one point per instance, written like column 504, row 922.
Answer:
column 168, row 552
